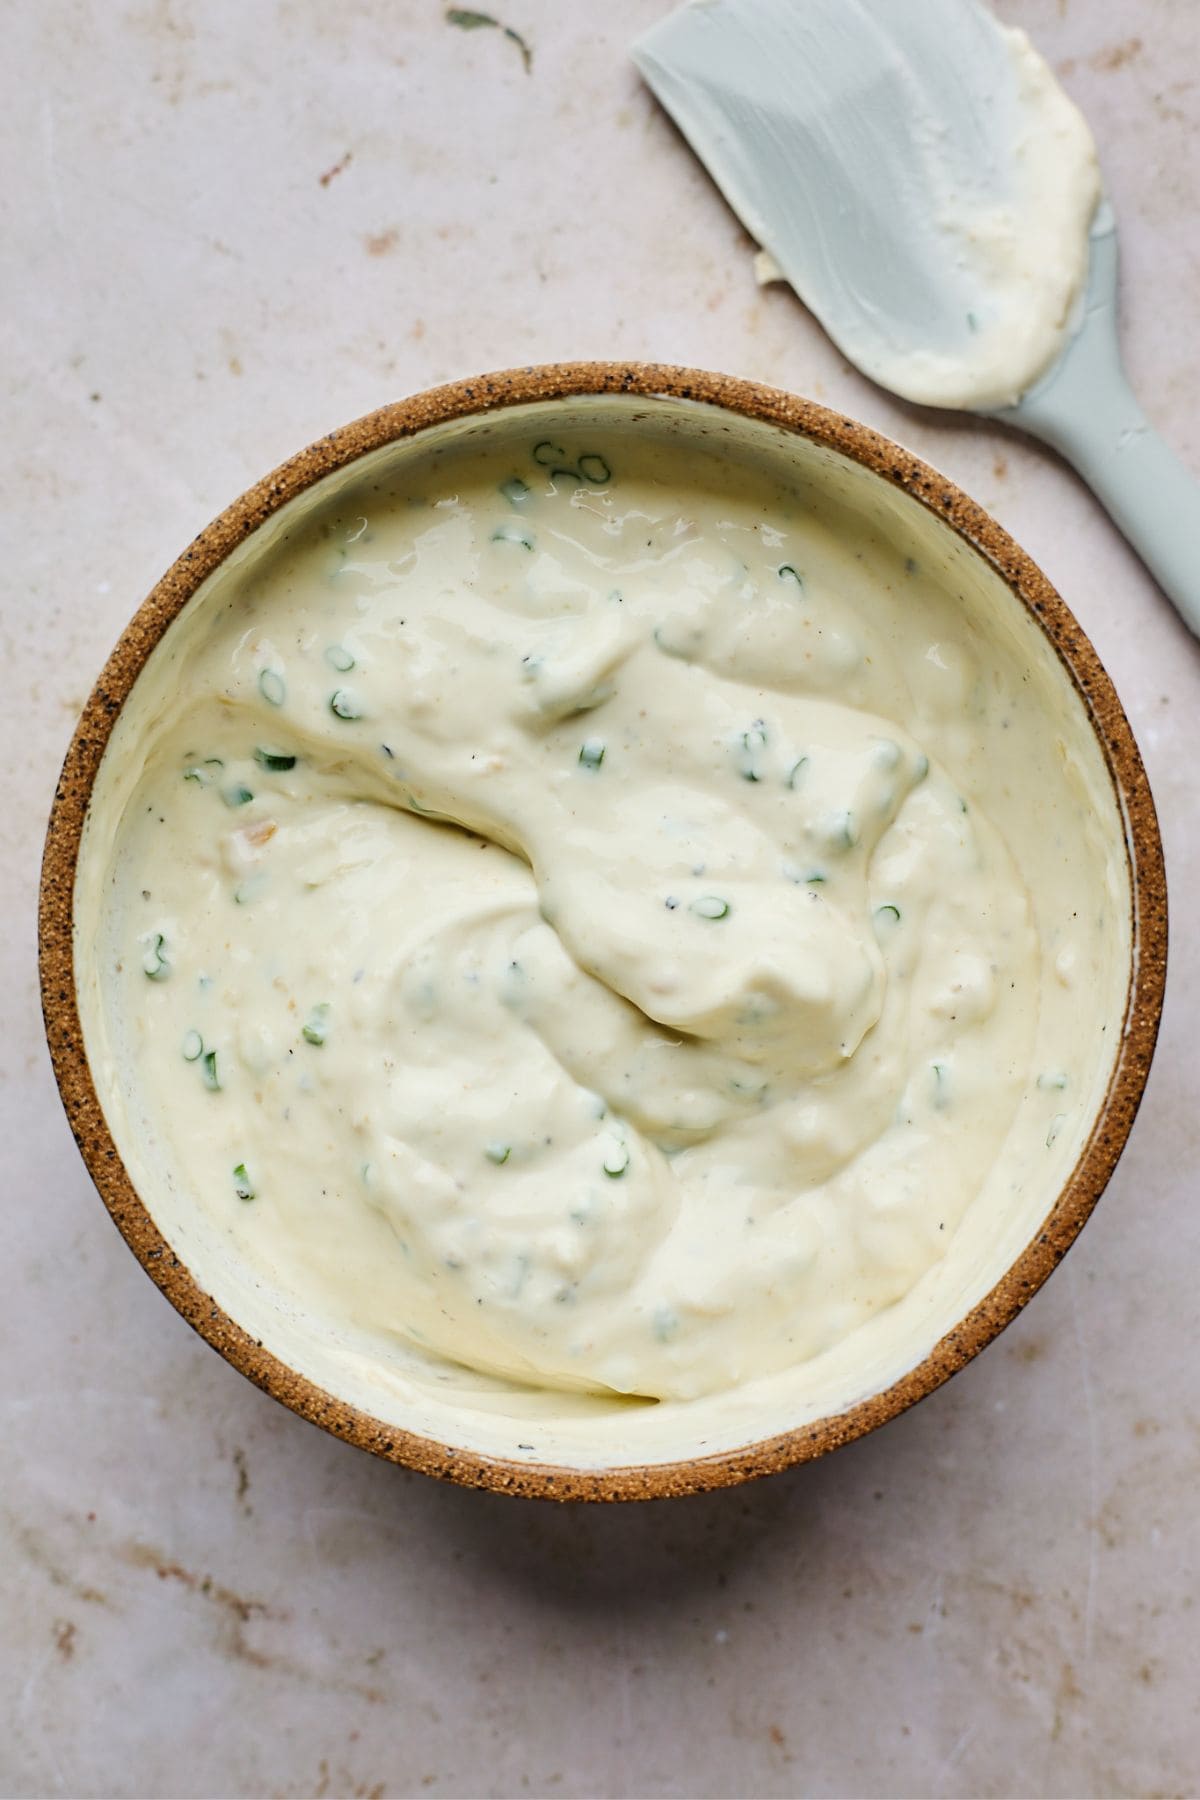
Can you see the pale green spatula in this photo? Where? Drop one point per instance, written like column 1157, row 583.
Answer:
column 916, row 174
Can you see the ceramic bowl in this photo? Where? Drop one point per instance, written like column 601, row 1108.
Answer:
column 461, row 1431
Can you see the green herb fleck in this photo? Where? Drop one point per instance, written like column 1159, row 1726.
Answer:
column 212, row 1079
column 154, row 963
column 788, row 573
column 941, row 1096
column 237, row 795
column 339, row 658
column 591, row 752
column 498, row 1153
column 345, row 705
column 201, row 773
column 752, row 742
column 1056, row 1125
column 598, row 472
column 513, row 534
column 616, row 1161
column 793, row 774
column 193, row 1046
column 274, row 759
column 887, row 915
column 272, row 687
column 515, row 490
column 243, row 1187
column 314, row 1030
column 710, row 906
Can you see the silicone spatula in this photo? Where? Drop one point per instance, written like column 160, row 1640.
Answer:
column 917, row 175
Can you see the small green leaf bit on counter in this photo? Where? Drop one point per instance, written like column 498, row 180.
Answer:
column 154, row 962
column 273, row 759
column 316, row 1027
column 591, row 753
column 243, row 1187
column 272, row 687
column 466, row 19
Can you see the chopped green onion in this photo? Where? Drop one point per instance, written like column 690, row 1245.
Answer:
column 787, row 573
column 591, row 752
column 793, row 774
column 243, row 1186
column 498, row 1153
column 816, row 879
column 314, row 1029
column 841, row 831
column 154, row 962
column 513, row 534
column 752, row 742
column 339, row 658
column 710, row 906
column 555, row 454
column 1056, row 1125
column 199, row 772
column 344, row 705
column 616, row 1161
column 515, row 490
column 211, row 1078
column 887, row 915
column 271, row 686
column 597, row 462
column 274, row 759
column 237, row 795
column 193, row 1046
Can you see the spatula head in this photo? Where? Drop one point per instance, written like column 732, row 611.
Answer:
column 913, row 168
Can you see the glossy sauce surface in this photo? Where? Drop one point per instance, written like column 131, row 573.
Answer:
column 551, row 925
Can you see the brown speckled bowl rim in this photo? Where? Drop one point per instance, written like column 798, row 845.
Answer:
column 516, row 387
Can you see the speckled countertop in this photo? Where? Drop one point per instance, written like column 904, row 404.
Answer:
column 228, row 227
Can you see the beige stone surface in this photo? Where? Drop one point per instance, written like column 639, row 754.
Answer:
column 227, row 227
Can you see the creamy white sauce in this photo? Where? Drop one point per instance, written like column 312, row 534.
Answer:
column 914, row 170
column 638, row 972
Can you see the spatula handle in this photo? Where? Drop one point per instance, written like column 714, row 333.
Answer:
column 1087, row 411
